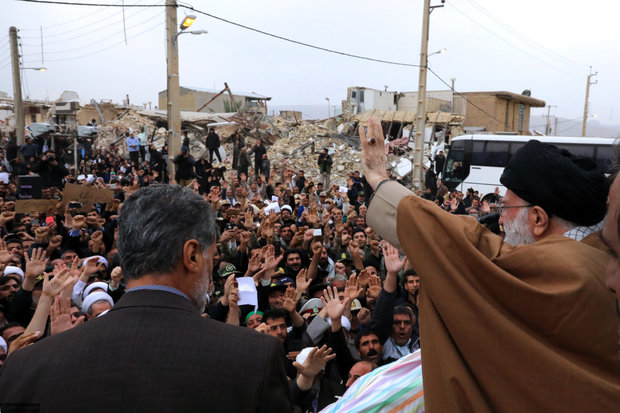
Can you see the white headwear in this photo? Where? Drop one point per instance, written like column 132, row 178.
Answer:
column 93, row 298
column 346, row 324
column 98, row 284
column 9, row 269
column 3, row 345
column 100, row 260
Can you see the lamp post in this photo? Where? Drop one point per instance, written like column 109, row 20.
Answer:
column 420, row 122
column 328, row 110
column 173, row 109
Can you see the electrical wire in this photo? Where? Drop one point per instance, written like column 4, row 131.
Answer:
column 69, row 3
column 462, row 95
column 67, row 21
column 143, row 22
column 527, row 40
column 511, row 44
column 324, row 49
column 559, row 122
column 159, row 24
column 75, row 31
column 235, row 24
column 565, row 129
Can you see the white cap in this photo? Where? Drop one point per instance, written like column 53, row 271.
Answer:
column 288, row 208
column 93, row 298
column 9, row 269
column 93, row 286
column 100, row 260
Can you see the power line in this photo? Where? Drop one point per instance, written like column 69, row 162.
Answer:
column 68, row 3
column 324, row 49
column 75, row 30
column 96, row 42
column 462, row 95
column 527, row 40
column 65, row 22
column 511, row 44
column 233, row 23
column 106, row 48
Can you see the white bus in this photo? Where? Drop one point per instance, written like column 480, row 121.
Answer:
column 477, row 161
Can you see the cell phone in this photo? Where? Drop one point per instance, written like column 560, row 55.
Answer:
column 75, row 205
column 49, row 221
column 35, row 223
column 112, row 186
column 318, row 232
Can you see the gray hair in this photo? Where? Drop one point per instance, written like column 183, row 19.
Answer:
column 154, row 225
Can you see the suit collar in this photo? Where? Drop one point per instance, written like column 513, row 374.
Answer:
column 154, row 298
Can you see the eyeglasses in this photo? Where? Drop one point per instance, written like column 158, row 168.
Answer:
column 501, row 208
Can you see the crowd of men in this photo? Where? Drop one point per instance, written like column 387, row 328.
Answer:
column 339, row 299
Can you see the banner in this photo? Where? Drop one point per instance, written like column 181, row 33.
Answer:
column 87, row 195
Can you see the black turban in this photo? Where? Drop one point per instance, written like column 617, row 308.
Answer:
column 561, row 183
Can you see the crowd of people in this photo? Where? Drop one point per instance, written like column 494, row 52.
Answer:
column 292, row 258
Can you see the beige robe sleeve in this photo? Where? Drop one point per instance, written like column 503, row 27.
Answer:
column 382, row 210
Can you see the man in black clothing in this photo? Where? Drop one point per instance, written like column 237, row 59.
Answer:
column 259, row 151
column 213, row 144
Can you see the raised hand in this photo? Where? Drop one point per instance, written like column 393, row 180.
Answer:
column 290, row 299
column 333, row 306
column 302, row 282
column 62, row 279
column 393, row 263
column 116, row 277
column 60, row 316
column 374, row 287
column 270, row 257
column 35, row 264
column 314, row 363
column 352, row 290
column 24, row 340
column 5, row 255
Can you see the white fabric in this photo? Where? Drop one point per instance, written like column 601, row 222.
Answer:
column 98, row 284
column 93, row 298
column 9, row 269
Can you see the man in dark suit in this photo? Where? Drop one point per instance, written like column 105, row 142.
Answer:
column 153, row 351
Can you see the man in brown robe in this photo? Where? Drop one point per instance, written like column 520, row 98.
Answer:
column 503, row 328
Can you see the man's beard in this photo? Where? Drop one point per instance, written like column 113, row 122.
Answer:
column 200, row 289
column 518, row 231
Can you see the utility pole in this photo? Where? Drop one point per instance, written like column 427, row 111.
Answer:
column 585, row 109
column 420, row 121
column 453, row 79
column 18, row 106
column 173, row 90
column 555, row 128
column 548, row 128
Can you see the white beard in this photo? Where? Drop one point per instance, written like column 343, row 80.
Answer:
column 518, row 231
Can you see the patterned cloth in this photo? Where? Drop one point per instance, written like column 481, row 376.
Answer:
column 395, row 387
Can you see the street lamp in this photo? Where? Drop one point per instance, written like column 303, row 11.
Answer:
column 328, row 110
column 195, row 32
column 40, row 69
column 188, row 21
column 438, row 52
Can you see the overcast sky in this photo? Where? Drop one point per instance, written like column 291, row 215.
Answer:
column 545, row 46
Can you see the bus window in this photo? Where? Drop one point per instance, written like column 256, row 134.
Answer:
column 514, row 147
column 497, row 153
column 455, row 170
column 478, row 154
column 603, row 158
column 584, row 151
